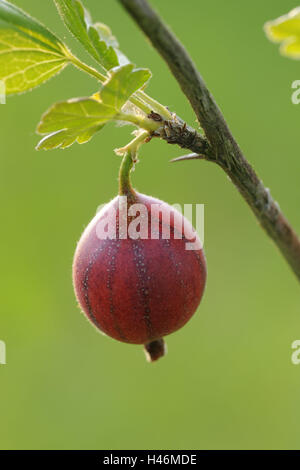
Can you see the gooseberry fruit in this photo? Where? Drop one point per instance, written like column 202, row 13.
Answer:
column 134, row 289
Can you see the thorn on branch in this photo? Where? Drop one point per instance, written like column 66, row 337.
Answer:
column 189, row 156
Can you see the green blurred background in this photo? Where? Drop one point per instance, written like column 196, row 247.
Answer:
column 228, row 380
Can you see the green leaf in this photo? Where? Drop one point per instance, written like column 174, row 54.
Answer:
column 106, row 35
column 80, row 118
column 123, row 82
column 74, row 120
column 29, row 53
column 286, row 30
column 291, row 48
column 95, row 40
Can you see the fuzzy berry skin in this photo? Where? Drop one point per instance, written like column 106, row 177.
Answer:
column 137, row 290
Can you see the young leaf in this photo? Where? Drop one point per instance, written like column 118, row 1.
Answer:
column 78, row 21
column 74, row 120
column 106, row 35
column 286, row 30
column 123, row 82
column 29, row 53
column 65, row 138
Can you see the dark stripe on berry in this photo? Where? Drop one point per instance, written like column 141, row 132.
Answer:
column 111, row 270
column 85, row 285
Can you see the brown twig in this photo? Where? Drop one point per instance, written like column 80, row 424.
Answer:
column 219, row 145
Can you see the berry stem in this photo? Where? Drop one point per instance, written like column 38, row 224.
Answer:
column 125, row 187
column 129, row 153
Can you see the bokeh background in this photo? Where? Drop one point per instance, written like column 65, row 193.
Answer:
column 228, row 380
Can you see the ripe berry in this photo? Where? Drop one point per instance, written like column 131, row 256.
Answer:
column 133, row 289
